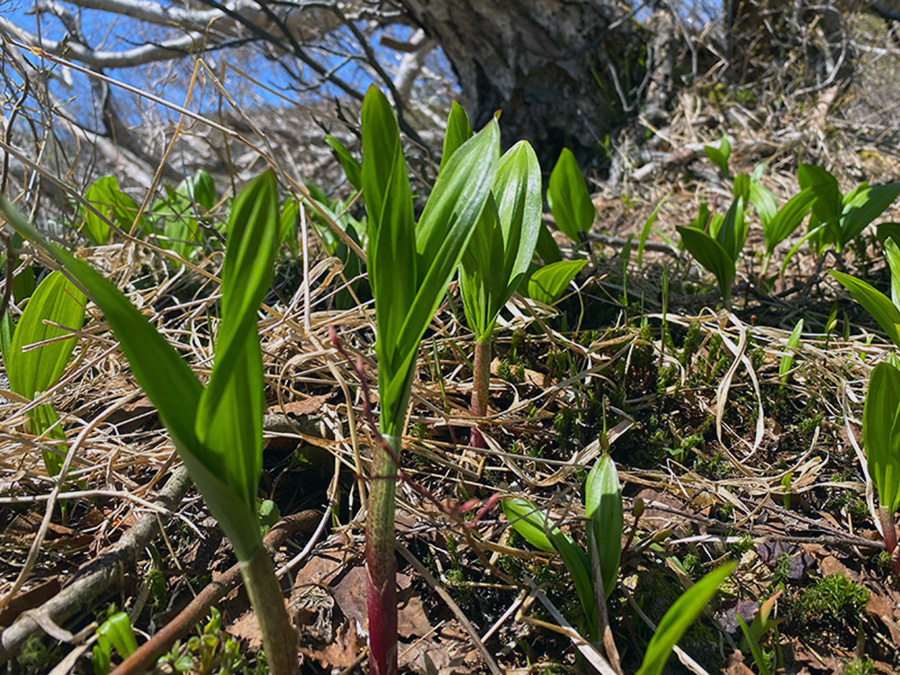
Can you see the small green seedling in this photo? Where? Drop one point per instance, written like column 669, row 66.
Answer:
column 839, row 218
column 410, row 266
column 720, row 155
column 787, row 361
column 569, row 199
column 38, row 350
column 499, row 254
column 603, row 511
column 110, row 205
column 881, row 438
column 175, row 218
column 217, row 428
column 718, row 250
column 114, row 633
column 779, row 224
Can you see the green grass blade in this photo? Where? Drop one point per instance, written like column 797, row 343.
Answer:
column 787, row 361
column 645, row 230
column 678, row 619
column 603, row 510
column 33, row 370
column 881, row 434
column 569, row 198
column 876, row 303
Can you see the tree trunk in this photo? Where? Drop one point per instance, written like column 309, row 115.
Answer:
column 563, row 73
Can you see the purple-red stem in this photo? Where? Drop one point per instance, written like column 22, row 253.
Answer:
column 481, row 381
column 889, row 533
column 381, row 564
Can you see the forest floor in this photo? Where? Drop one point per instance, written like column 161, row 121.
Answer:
column 728, row 443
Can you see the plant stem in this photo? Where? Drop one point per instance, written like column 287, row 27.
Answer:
column 481, row 377
column 381, row 563
column 279, row 637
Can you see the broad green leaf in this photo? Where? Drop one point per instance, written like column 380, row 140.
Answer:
column 603, row 509
column 645, row 230
column 569, row 198
column 787, row 361
column 764, row 203
column 733, row 231
column 543, row 535
column 230, row 411
column 392, row 231
column 200, row 189
column 881, row 434
column 112, row 206
column 888, row 231
column 828, row 205
column 740, row 188
column 892, row 253
column 719, row 155
column 351, row 166
column 501, row 249
column 865, row 207
column 528, row 521
column 548, row 283
column 876, row 303
column 445, row 228
column 787, row 219
column 712, row 256
column 679, row 618
column 39, row 352
column 458, row 131
column 117, row 629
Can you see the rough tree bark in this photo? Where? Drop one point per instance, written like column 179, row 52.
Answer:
column 564, row 73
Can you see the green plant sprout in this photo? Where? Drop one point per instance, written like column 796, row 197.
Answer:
column 37, row 351
column 720, row 155
column 217, row 428
column 410, row 266
column 779, row 224
column 881, row 438
column 718, row 249
column 787, row 361
column 499, row 254
column 839, row 218
column 569, row 199
column 110, row 205
column 603, row 511
column 114, row 633
column 174, row 219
